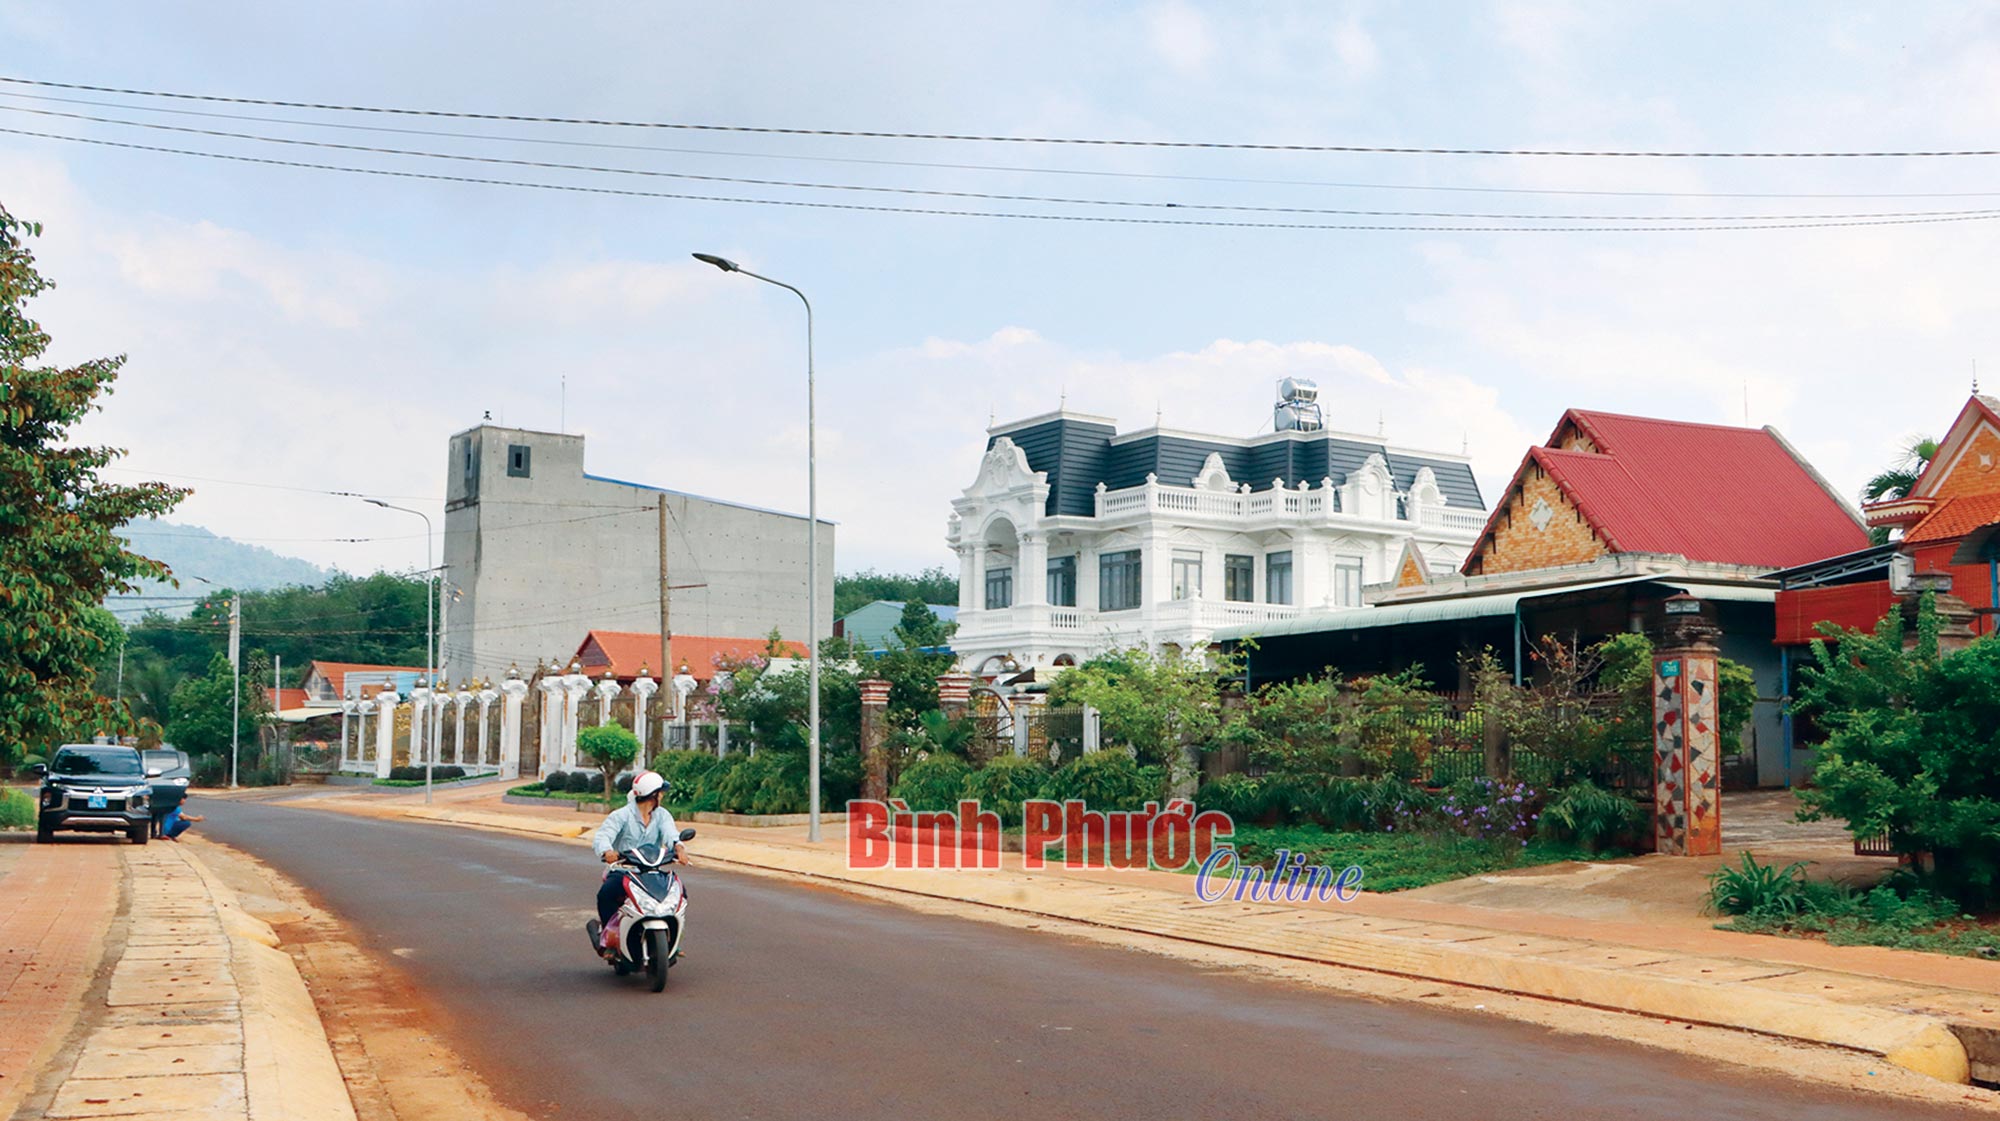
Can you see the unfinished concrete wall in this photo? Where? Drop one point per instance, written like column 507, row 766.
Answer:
column 540, row 553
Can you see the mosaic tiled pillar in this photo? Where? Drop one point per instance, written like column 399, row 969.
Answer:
column 1687, row 756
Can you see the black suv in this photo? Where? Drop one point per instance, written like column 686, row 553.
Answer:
column 95, row 786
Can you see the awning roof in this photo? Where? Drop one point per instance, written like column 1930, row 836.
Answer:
column 1492, row 605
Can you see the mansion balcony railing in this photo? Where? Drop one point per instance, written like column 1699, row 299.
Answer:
column 1324, row 505
column 1171, row 618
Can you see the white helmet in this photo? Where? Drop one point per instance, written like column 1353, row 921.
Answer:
column 647, row 784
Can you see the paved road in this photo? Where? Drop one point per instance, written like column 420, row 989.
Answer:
column 797, row 1001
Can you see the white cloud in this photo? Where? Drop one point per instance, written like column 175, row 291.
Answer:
column 1180, row 36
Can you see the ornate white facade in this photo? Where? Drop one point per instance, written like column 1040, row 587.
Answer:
column 1073, row 555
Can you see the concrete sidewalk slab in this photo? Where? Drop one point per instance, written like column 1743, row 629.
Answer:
column 197, row 1019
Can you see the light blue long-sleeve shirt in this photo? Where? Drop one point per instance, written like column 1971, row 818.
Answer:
column 622, row 830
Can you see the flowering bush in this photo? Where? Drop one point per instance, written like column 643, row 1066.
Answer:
column 1482, row 808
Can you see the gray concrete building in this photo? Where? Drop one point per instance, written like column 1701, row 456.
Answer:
column 538, row 552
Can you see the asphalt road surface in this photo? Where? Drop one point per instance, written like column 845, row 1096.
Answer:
column 796, row 1001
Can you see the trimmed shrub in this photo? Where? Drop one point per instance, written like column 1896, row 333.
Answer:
column 1003, row 784
column 555, row 782
column 584, row 782
column 770, row 782
column 934, row 782
column 1106, row 780
column 624, row 784
column 685, row 772
column 447, row 773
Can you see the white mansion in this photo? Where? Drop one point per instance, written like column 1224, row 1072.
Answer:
column 1074, row 539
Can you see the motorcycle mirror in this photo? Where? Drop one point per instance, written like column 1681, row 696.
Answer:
column 687, row 834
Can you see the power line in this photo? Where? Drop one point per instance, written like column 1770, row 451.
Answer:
column 987, row 138
column 1012, row 169
column 1012, row 215
column 990, row 196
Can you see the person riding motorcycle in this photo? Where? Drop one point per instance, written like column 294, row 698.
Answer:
column 640, row 822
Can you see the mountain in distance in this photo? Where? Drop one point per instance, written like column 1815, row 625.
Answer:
column 193, row 551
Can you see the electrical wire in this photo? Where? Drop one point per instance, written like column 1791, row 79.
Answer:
column 995, row 196
column 1105, row 219
column 986, row 138
column 1012, row 169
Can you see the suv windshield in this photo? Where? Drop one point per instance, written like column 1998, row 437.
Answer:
column 96, row 761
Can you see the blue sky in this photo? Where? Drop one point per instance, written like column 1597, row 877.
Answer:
column 315, row 330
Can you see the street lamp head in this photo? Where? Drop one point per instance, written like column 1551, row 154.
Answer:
column 375, row 502
column 723, row 263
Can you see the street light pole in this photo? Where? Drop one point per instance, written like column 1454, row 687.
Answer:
column 430, row 623
column 812, row 544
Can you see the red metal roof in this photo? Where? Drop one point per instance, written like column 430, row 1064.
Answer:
column 1708, row 492
column 288, row 699
column 624, row 652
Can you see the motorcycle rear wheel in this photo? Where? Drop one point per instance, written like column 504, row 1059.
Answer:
column 656, row 958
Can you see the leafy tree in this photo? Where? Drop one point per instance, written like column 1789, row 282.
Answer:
column 772, row 705
column 1157, row 704
column 611, row 747
column 377, row 620
column 858, row 589
column 1913, row 746
column 198, row 714
column 60, row 554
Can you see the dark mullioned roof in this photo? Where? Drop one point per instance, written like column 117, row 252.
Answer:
column 1079, row 454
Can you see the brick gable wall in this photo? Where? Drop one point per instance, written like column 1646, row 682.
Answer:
column 1968, row 475
column 1410, row 576
column 1517, row 546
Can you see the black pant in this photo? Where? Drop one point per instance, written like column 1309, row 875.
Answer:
column 610, row 897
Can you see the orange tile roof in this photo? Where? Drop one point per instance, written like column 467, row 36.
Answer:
column 288, row 699
column 625, row 652
column 1954, row 518
column 336, row 672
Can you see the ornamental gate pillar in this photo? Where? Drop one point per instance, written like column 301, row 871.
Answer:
column 875, row 739
column 385, row 731
column 515, row 691
column 1687, row 748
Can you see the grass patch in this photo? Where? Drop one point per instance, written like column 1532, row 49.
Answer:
column 1401, row 861
column 17, row 810
column 1899, row 913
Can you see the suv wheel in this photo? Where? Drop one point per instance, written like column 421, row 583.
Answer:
column 139, row 834
column 45, row 831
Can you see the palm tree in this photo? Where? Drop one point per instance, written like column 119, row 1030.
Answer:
column 1900, row 479
column 1902, row 475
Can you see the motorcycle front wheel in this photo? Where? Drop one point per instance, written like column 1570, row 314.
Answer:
column 656, row 957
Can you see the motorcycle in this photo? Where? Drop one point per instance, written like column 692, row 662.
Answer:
column 645, row 935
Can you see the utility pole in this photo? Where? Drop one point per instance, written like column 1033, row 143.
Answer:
column 666, row 632
column 235, row 682
column 277, row 683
